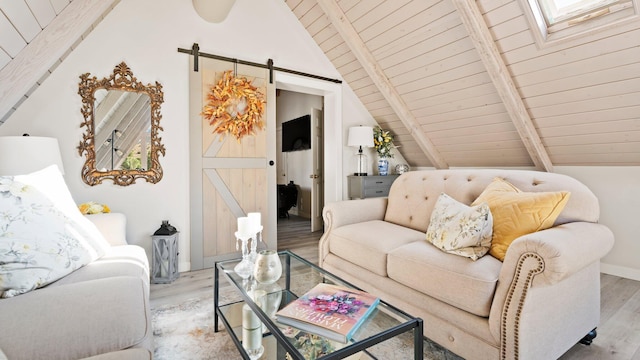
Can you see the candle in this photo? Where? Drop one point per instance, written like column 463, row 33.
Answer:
column 164, row 269
column 252, row 339
column 254, row 222
column 249, row 319
column 244, row 226
column 251, row 329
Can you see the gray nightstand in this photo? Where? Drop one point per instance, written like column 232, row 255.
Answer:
column 361, row 187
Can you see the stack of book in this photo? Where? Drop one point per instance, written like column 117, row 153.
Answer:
column 331, row 311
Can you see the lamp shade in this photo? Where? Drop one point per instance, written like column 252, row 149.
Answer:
column 25, row 154
column 360, row 136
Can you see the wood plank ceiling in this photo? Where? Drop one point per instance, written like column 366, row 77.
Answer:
column 35, row 37
column 458, row 82
column 462, row 82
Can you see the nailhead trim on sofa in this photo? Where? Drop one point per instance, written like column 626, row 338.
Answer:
column 531, row 273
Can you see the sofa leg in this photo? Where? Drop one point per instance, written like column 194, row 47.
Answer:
column 588, row 339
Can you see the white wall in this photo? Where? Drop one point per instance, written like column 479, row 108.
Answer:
column 618, row 191
column 146, row 35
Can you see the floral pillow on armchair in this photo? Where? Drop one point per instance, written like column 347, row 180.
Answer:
column 39, row 242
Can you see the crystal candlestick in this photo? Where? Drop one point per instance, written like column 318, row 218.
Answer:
column 245, row 267
column 254, row 244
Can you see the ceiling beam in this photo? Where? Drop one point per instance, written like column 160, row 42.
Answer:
column 350, row 36
column 501, row 78
column 50, row 46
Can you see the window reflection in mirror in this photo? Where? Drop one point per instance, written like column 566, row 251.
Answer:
column 123, row 126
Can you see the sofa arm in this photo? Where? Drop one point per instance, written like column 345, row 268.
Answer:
column 112, row 226
column 347, row 212
column 564, row 249
column 543, row 263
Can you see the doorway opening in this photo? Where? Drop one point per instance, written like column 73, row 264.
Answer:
column 299, row 165
column 329, row 184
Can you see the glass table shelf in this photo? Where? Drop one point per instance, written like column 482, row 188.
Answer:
column 386, row 330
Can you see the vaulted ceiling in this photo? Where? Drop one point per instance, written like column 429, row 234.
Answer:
column 35, row 37
column 463, row 83
column 458, row 82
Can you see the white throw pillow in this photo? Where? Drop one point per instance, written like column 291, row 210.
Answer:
column 50, row 182
column 460, row 229
column 43, row 235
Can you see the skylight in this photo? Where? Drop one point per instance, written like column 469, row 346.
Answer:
column 560, row 10
column 560, row 19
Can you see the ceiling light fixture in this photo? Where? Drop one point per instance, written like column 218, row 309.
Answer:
column 213, row 11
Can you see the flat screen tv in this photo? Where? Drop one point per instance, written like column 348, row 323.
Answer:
column 296, row 134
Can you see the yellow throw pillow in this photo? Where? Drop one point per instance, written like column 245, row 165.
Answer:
column 516, row 213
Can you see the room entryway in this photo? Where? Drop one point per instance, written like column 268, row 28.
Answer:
column 299, row 154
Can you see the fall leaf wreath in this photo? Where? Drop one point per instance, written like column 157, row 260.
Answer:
column 234, row 106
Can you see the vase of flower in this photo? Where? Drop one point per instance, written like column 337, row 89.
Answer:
column 383, row 142
column 383, row 167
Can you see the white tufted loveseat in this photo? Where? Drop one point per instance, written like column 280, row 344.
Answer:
column 543, row 299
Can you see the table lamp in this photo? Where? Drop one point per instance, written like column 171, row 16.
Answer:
column 25, row 154
column 361, row 136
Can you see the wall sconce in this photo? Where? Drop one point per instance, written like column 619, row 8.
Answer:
column 361, row 136
column 26, row 154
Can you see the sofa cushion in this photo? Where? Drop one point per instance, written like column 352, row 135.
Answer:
column 76, row 320
column 413, row 194
column 367, row 244
column 459, row 229
column 124, row 260
column 461, row 282
column 113, row 227
column 517, row 213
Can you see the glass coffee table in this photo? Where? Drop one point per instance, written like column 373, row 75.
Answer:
column 387, row 333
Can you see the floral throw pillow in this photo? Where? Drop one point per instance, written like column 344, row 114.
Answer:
column 39, row 244
column 51, row 184
column 460, row 229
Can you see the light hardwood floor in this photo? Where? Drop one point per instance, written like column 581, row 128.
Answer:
column 618, row 333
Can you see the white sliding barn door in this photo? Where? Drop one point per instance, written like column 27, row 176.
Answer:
column 229, row 178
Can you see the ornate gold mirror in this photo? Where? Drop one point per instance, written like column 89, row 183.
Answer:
column 122, row 120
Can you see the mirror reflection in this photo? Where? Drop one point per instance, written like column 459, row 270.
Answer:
column 123, row 130
column 122, row 121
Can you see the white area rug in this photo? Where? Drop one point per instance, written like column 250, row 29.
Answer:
column 185, row 331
